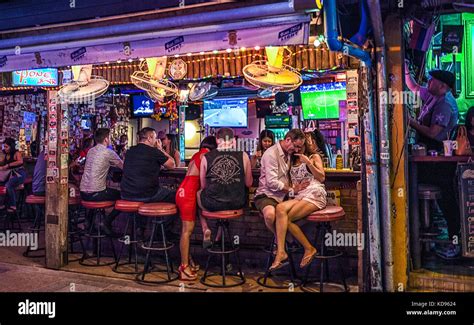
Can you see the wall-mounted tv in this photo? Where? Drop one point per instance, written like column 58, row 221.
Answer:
column 321, row 101
column 226, row 112
column 277, row 121
column 142, row 106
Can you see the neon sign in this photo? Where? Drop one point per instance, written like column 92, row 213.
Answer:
column 35, row 77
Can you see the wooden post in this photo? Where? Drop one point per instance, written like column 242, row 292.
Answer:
column 56, row 216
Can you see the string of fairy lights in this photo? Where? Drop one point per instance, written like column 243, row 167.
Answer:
column 244, row 55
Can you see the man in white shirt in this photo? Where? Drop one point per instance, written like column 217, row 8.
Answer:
column 273, row 184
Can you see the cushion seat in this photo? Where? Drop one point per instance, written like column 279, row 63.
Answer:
column 225, row 214
column 33, row 199
column 97, row 205
column 160, row 209
column 328, row 214
column 127, row 206
column 3, row 190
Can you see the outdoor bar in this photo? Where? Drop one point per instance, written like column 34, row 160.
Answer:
column 240, row 146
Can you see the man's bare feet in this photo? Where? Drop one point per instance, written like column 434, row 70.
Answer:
column 308, row 257
column 281, row 260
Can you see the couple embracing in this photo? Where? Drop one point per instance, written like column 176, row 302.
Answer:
column 291, row 188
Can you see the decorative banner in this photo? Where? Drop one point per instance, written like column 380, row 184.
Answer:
column 276, row 35
column 36, row 77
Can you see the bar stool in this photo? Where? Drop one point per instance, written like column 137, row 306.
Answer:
column 222, row 226
column 323, row 219
column 37, row 203
column 285, row 282
column 131, row 208
column 9, row 216
column 428, row 194
column 157, row 211
column 75, row 234
column 98, row 213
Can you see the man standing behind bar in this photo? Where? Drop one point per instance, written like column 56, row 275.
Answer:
column 438, row 117
column 94, row 181
column 273, row 184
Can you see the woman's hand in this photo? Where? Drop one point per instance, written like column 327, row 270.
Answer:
column 304, row 158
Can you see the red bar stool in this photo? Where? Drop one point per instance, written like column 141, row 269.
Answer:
column 157, row 211
column 98, row 213
column 223, row 218
column 37, row 203
column 131, row 208
column 323, row 219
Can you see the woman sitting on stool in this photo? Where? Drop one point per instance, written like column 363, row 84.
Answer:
column 305, row 168
column 12, row 160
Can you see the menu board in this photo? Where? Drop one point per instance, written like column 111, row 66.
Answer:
column 466, row 200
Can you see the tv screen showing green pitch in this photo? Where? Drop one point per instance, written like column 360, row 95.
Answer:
column 321, row 101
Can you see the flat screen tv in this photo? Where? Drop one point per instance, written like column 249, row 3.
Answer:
column 321, row 101
column 277, row 121
column 225, row 112
column 142, row 106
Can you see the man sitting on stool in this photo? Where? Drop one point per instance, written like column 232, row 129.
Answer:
column 225, row 173
column 94, row 181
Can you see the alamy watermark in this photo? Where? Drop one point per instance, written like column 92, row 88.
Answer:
column 348, row 239
column 400, row 97
column 14, row 239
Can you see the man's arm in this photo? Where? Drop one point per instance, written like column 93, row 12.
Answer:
column 169, row 163
column 428, row 131
column 247, row 170
column 115, row 160
column 410, row 82
column 202, row 172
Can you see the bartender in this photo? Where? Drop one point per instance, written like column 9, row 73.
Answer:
column 439, row 113
column 438, row 117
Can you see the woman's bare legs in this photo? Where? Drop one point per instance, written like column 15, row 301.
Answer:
column 299, row 211
column 186, row 231
column 281, row 226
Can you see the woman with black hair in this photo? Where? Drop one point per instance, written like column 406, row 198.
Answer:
column 13, row 161
column 265, row 141
column 171, row 146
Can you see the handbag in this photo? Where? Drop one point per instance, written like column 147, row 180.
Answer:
column 464, row 147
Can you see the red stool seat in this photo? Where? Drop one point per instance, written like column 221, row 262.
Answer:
column 160, row 209
column 3, row 190
column 97, row 205
column 225, row 214
column 127, row 206
column 74, row 200
column 328, row 214
column 33, row 199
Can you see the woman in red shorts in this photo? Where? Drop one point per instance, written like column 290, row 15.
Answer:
column 187, row 204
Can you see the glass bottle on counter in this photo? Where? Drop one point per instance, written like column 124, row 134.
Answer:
column 339, row 160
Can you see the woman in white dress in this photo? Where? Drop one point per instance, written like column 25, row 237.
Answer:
column 306, row 168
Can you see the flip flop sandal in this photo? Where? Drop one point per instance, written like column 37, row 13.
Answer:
column 308, row 260
column 278, row 266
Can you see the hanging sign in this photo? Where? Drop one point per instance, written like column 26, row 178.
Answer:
column 35, row 77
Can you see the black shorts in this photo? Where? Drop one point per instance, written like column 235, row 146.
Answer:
column 212, row 205
column 261, row 201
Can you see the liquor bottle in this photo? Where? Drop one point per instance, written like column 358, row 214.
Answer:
column 339, row 160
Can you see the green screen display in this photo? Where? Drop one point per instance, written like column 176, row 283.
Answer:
column 321, row 101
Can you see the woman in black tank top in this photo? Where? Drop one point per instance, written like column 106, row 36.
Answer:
column 12, row 160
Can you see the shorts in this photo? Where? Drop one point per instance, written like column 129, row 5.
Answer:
column 261, row 201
